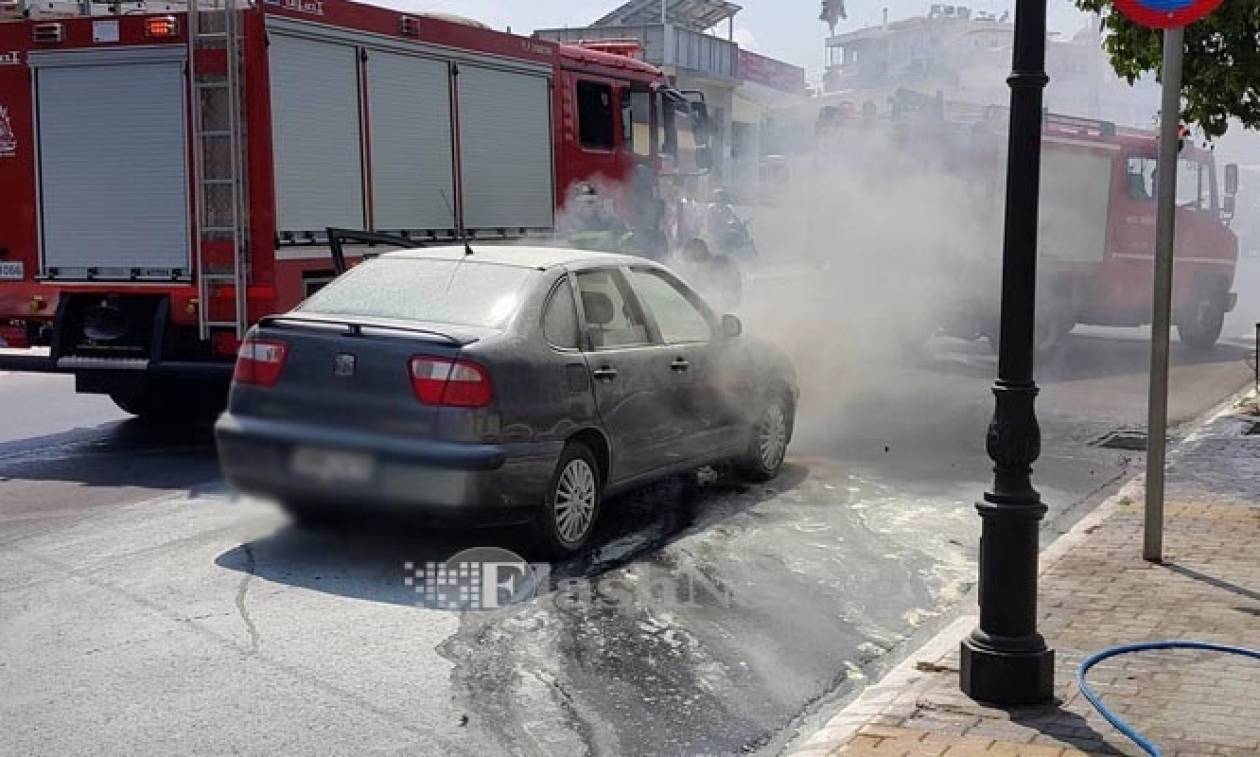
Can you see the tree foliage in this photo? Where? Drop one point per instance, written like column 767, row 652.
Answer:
column 831, row 13
column 1221, row 73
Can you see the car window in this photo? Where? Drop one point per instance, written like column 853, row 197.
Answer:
column 457, row 292
column 560, row 321
column 677, row 317
column 612, row 318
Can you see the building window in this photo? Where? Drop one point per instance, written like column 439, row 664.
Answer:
column 595, row 115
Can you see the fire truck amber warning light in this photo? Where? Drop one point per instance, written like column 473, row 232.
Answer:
column 49, row 33
column 160, row 26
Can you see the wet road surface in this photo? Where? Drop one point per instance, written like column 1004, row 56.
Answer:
column 144, row 608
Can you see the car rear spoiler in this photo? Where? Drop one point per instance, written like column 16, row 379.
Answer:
column 355, row 327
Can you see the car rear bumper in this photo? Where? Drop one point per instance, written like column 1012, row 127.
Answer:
column 480, row 483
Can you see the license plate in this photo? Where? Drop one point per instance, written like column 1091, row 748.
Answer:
column 12, row 270
column 333, row 466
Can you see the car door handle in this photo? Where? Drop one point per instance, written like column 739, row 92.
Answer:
column 604, row 373
column 680, row 365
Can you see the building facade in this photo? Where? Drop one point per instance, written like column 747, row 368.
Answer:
column 965, row 56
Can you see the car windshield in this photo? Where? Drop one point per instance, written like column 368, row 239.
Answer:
column 460, row 292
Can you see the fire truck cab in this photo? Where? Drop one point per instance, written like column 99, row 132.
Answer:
column 169, row 171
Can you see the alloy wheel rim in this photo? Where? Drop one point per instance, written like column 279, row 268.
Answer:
column 772, row 437
column 574, row 507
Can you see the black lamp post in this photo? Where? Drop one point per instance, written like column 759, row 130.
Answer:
column 1004, row 660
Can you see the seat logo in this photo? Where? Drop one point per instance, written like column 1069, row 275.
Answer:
column 343, row 365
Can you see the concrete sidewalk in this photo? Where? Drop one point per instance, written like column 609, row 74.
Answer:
column 1095, row 592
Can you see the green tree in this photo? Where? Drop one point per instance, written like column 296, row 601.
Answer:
column 1221, row 73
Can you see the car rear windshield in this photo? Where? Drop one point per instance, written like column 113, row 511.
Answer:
column 459, row 292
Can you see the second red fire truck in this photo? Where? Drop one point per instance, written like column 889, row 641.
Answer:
column 1097, row 218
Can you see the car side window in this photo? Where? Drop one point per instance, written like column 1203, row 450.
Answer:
column 678, row 318
column 560, row 321
column 612, row 317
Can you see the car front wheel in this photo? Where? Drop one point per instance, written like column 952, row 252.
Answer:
column 768, row 445
column 568, row 516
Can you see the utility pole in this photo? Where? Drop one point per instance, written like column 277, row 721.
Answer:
column 1005, row 660
column 1161, row 316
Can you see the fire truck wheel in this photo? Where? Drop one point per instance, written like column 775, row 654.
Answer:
column 1200, row 329
column 1051, row 332
column 159, row 404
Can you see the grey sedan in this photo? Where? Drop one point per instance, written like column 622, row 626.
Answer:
column 504, row 385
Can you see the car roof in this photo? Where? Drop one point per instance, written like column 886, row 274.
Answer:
column 522, row 256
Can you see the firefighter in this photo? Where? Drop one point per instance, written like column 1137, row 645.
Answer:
column 727, row 232
column 591, row 226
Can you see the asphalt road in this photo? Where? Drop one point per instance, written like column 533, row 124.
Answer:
column 144, row 609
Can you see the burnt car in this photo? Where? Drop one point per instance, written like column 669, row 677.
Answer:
column 508, row 384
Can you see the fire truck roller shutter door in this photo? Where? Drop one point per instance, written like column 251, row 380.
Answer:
column 413, row 186
column 315, row 134
column 505, row 149
column 113, row 160
column 1075, row 196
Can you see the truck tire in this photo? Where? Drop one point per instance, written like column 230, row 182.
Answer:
column 164, row 403
column 1050, row 335
column 1201, row 327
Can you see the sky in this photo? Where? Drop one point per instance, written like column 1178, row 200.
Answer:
column 763, row 26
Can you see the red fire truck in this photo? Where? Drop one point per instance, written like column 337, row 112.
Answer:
column 1097, row 219
column 168, row 176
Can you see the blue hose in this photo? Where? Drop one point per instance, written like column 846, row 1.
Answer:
column 1148, row 646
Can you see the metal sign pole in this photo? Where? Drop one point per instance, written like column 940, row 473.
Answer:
column 1165, row 230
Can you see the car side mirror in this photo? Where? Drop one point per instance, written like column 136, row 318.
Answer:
column 1231, row 179
column 731, row 326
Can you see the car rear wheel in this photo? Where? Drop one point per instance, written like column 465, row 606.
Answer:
column 313, row 515
column 568, row 515
column 768, row 445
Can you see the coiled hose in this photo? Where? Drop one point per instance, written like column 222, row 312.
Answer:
column 1150, row 646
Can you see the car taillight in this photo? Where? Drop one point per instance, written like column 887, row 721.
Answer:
column 259, row 362
column 450, row 382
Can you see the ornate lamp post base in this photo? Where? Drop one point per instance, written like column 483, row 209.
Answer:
column 1002, row 676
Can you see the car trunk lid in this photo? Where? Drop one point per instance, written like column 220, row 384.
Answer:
column 351, row 374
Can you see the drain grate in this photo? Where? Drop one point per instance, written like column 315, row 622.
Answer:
column 1133, row 441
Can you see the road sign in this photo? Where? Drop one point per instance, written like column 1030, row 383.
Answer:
column 1166, row 14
